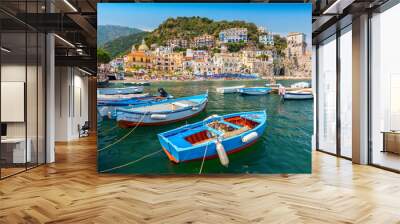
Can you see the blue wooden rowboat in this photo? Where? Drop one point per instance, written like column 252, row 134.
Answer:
column 119, row 97
column 213, row 136
column 137, row 84
column 160, row 113
column 254, row 90
column 135, row 101
column 126, row 90
column 108, row 107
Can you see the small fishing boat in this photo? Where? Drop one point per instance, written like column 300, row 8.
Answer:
column 230, row 89
column 273, row 85
column 216, row 136
column 161, row 113
column 301, row 85
column 108, row 108
column 298, row 95
column 103, row 97
column 102, row 83
column 137, row 83
column 126, row 90
column 131, row 101
column 109, row 112
column 255, row 90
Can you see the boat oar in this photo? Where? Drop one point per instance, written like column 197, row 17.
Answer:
column 223, row 157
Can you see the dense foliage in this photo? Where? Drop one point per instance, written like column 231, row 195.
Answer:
column 106, row 33
column 103, row 56
column 280, row 44
column 189, row 27
column 123, row 45
column 235, row 47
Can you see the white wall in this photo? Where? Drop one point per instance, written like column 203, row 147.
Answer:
column 71, row 102
column 33, row 126
column 12, row 73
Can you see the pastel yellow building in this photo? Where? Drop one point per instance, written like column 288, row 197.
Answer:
column 138, row 59
column 168, row 62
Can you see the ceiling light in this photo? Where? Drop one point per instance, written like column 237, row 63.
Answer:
column 70, row 5
column 64, row 40
column 337, row 7
column 86, row 72
column 5, row 50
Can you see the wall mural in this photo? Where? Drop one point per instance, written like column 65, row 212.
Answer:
column 204, row 88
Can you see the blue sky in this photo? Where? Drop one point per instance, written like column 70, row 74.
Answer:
column 278, row 18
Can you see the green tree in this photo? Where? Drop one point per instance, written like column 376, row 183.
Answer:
column 103, row 57
column 263, row 57
column 280, row 44
column 201, row 48
column 123, row 45
column 216, row 50
column 189, row 27
column 179, row 49
column 235, row 47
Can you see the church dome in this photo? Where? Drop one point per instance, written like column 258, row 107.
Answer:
column 133, row 49
column 143, row 46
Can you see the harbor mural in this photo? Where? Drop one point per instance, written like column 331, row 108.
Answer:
column 201, row 88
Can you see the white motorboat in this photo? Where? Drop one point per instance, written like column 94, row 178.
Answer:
column 298, row 95
column 301, row 85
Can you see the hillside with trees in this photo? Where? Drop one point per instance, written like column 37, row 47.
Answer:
column 122, row 45
column 189, row 27
column 107, row 33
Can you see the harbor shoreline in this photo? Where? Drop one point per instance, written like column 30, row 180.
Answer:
column 130, row 79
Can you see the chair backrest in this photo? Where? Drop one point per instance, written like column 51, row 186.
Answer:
column 86, row 125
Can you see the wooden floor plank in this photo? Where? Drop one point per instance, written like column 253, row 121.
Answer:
column 71, row 191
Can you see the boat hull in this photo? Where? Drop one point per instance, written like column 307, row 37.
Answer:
column 130, row 118
column 294, row 96
column 109, row 108
column 207, row 150
column 208, row 157
column 117, row 97
column 255, row 91
column 151, row 122
column 301, row 85
column 114, row 91
column 131, row 102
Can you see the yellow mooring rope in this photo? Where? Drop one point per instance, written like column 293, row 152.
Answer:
column 130, row 163
column 123, row 137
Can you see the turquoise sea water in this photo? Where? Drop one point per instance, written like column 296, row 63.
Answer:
column 285, row 146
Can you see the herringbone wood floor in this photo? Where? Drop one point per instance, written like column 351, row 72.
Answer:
column 71, row 191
